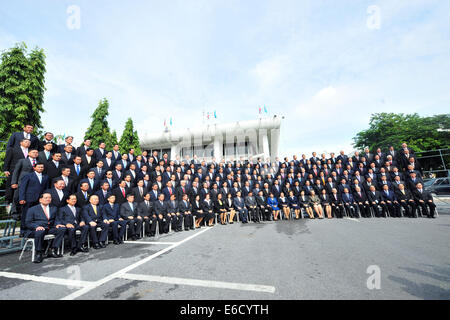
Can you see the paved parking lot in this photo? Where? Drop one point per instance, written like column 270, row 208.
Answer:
column 303, row 259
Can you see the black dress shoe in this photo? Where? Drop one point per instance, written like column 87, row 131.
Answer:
column 120, row 241
column 83, row 249
column 102, row 245
column 192, row 228
column 73, row 252
column 116, row 242
column 96, row 246
column 39, row 258
column 134, row 238
column 53, row 253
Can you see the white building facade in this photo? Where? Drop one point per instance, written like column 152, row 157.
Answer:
column 229, row 141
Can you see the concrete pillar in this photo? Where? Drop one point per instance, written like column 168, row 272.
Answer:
column 265, row 145
column 174, row 151
column 274, row 143
column 218, row 147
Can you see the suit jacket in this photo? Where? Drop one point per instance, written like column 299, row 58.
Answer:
column 51, row 170
column 43, row 158
column 239, row 203
column 42, row 144
column 172, row 206
column 37, row 218
column 98, row 154
column 56, row 202
column 92, row 189
column 30, row 188
column 89, row 214
column 160, row 208
column 111, row 213
column 184, row 206
column 360, row 198
column 102, row 198
column 12, row 156
column 22, row 168
column 406, row 196
column 16, row 137
column 145, row 210
column 66, row 215
column 65, row 160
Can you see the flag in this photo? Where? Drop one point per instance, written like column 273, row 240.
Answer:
column 164, row 122
column 259, row 110
column 207, row 117
column 215, row 114
column 170, row 120
column 265, row 109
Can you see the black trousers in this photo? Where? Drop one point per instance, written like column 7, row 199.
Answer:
column 383, row 209
column 264, row 212
column 118, row 233
column 188, row 220
column 427, row 205
column 150, row 225
column 410, row 208
column 39, row 237
column 134, row 227
column 71, row 234
column 253, row 214
column 163, row 223
column 338, row 210
column 364, row 210
column 103, row 232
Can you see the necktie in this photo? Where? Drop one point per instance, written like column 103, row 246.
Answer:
column 95, row 209
column 34, row 162
column 123, row 192
column 78, row 169
column 46, row 213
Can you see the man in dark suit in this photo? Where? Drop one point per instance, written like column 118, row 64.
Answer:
column 103, row 193
column 424, row 199
column 121, row 192
column 362, row 202
column 376, row 200
column 67, row 155
column 45, row 155
column 145, row 210
column 129, row 213
column 73, row 220
column 67, row 142
column 239, row 206
column 175, row 216
column 65, row 175
column 81, row 151
column 406, row 200
column 100, row 170
column 59, row 195
column 53, row 166
column 16, row 137
column 31, row 187
column 92, row 215
column 185, row 209
column 94, row 184
column 12, row 157
column 392, row 204
column 160, row 209
column 83, row 195
column 48, row 139
column 42, row 219
column 100, row 152
column 116, row 154
column 88, row 160
column 77, row 172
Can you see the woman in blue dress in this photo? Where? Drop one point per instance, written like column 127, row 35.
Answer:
column 273, row 203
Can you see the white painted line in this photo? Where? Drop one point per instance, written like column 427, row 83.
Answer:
column 353, row 219
column 29, row 277
column 119, row 273
column 200, row 283
column 149, row 242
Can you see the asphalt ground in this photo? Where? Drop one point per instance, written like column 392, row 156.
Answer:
column 374, row 258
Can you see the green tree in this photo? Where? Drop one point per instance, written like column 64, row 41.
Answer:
column 420, row 133
column 129, row 139
column 22, row 87
column 98, row 131
column 112, row 140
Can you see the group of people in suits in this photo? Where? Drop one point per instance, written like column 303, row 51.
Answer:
column 90, row 191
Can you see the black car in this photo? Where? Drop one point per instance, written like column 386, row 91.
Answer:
column 440, row 186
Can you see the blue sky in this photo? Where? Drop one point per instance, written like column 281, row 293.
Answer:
column 324, row 65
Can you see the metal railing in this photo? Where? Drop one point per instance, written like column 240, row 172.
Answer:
column 435, row 162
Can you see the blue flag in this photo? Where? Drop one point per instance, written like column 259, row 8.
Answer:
column 265, row 109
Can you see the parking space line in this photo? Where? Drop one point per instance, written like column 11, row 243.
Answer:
column 200, row 283
column 353, row 219
column 48, row 280
column 119, row 273
column 149, row 242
